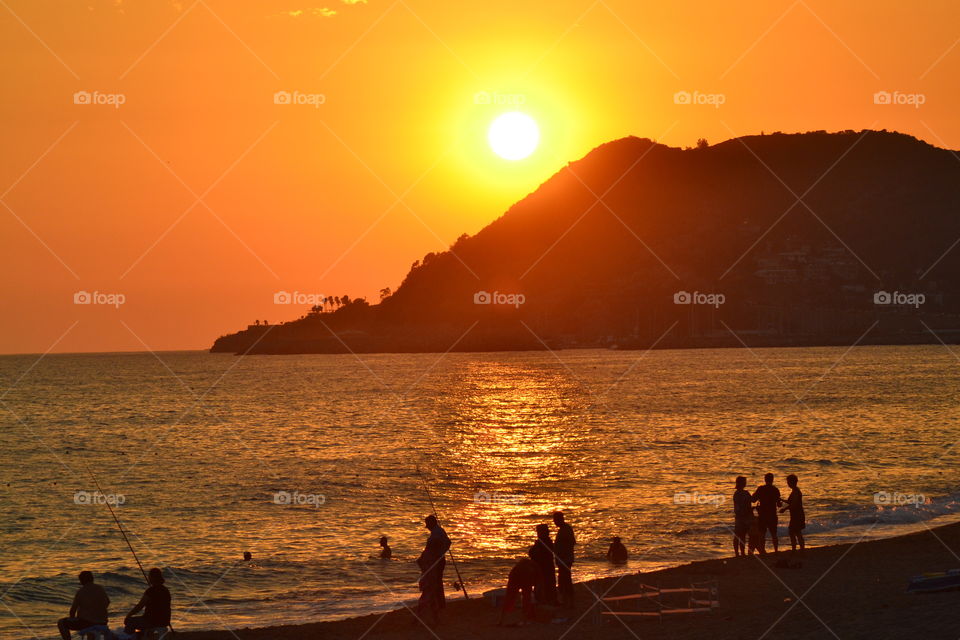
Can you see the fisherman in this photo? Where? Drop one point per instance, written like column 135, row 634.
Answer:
column 523, row 577
column 155, row 605
column 432, row 563
column 385, row 551
column 89, row 607
column 617, row 553
column 768, row 497
column 563, row 546
column 541, row 552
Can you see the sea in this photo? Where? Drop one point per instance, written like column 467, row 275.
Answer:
column 305, row 461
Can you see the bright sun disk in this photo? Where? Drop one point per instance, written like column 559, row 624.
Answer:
column 513, row 136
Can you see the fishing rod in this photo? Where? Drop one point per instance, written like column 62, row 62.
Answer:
column 122, row 532
column 119, row 526
column 453, row 561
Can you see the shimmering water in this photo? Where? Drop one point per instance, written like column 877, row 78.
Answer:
column 197, row 446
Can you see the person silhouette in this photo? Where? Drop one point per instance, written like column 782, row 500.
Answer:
column 768, row 497
column 798, row 519
column 522, row 579
column 563, row 546
column 617, row 553
column 432, row 563
column 155, row 605
column 385, row 551
column 89, row 607
column 742, row 516
column 542, row 553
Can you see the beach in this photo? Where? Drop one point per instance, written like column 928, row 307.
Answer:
column 845, row 591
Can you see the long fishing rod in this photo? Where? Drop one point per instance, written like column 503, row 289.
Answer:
column 119, row 526
column 453, row 561
column 122, row 532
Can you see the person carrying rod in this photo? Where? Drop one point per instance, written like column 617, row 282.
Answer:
column 155, row 605
column 432, row 562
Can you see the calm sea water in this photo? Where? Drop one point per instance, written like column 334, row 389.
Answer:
column 200, row 449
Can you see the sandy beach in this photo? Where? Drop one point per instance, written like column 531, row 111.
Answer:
column 842, row 591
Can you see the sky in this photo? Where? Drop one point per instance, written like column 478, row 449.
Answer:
column 169, row 166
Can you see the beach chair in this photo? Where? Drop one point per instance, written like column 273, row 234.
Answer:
column 648, row 602
column 96, row 632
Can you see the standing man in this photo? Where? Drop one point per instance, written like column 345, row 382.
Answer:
column 89, row 607
column 798, row 519
column 432, row 564
column 769, row 498
column 563, row 546
column 742, row 516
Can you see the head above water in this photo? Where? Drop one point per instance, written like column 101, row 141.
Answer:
column 741, row 482
column 792, row 480
column 155, row 576
column 431, row 522
column 247, row 555
column 558, row 518
column 768, row 478
column 383, row 541
column 86, row 577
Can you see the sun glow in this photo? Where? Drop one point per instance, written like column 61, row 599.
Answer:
column 513, row 136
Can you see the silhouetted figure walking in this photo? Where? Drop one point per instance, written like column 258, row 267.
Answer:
column 523, row 577
column 563, row 548
column 617, row 553
column 742, row 517
column 768, row 497
column 798, row 519
column 155, row 605
column 385, row 551
column 542, row 554
column 89, row 607
column 432, row 564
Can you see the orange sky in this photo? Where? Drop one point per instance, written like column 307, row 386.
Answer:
column 199, row 197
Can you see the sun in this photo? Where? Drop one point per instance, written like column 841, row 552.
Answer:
column 513, row 136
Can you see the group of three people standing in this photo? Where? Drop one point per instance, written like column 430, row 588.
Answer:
column 767, row 497
column 534, row 577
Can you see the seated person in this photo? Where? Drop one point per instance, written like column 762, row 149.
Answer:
column 89, row 607
column 155, row 605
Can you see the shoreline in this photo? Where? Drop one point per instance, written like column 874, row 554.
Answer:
column 855, row 590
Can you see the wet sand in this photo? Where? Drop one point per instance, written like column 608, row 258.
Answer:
column 841, row 591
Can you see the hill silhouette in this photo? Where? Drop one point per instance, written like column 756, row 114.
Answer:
column 778, row 239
